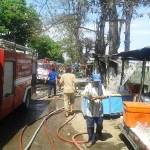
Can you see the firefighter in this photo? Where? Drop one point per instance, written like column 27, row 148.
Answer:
column 52, row 81
column 92, row 110
column 68, row 81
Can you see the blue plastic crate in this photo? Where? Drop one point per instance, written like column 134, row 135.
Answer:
column 114, row 104
column 106, row 106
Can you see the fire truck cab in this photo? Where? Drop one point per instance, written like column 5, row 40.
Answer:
column 16, row 73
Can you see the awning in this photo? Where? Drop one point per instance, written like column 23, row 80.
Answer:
column 141, row 54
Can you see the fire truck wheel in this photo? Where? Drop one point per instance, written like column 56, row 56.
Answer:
column 28, row 98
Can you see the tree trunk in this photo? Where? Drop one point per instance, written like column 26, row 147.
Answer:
column 114, row 40
column 100, row 40
column 127, row 28
column 127, row 35
column 100, row 45
column 79, row 46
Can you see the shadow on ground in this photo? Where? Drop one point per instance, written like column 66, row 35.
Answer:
column 108, row 117
column 105, row 136
column 10, row 125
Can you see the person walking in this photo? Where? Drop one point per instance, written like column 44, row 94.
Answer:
column 92, row 110
column 68, row 80
column 52, row 81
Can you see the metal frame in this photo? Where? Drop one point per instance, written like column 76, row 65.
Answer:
column 128, row 137
column 13, row 46
column 129, row 134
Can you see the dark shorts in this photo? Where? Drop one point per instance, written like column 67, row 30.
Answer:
column 51, row 83
column 90, row 121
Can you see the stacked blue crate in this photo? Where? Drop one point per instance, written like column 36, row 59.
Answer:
column 114, row 104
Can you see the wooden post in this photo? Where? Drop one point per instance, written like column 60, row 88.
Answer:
column 107, row 71
column 122, row 72
column 142, row 78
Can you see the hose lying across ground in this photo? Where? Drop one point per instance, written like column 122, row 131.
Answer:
column 36, row 132
column 73, row 141
column 50, row 139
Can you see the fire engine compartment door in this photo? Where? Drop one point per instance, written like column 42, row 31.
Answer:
column 7, row 105
column 1, row 81
column 8, row 83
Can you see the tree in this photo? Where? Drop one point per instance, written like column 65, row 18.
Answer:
column 114, row 42
column 129, row 12
column 70, row 15
column 68, row 46
column 72, row 19
column 100, row 43
column 18, row 23
column 73, row 14
column 46, row 47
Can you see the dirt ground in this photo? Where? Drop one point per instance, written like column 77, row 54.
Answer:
column 111, row 133
column 10, row 127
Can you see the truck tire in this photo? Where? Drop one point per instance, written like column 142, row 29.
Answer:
column 27, row 100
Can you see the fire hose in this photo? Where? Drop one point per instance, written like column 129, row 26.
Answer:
column 37, row 130
column 73, row 141
column 44, row 122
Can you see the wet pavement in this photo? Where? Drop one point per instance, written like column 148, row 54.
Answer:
column 11, row 126
column 13, row 123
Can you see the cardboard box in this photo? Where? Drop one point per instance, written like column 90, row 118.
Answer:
column 136, row 112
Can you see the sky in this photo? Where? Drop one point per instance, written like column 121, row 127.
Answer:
column 139, row 34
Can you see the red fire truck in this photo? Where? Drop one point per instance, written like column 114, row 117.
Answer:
column 17, row 66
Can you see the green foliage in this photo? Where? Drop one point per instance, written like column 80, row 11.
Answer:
column 46, row 47
column 18, row 22
column 69, row 47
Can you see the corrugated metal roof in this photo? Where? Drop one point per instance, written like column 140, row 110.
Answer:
column 141, row 54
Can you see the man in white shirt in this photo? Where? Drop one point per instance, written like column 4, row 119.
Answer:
column 92, row 110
